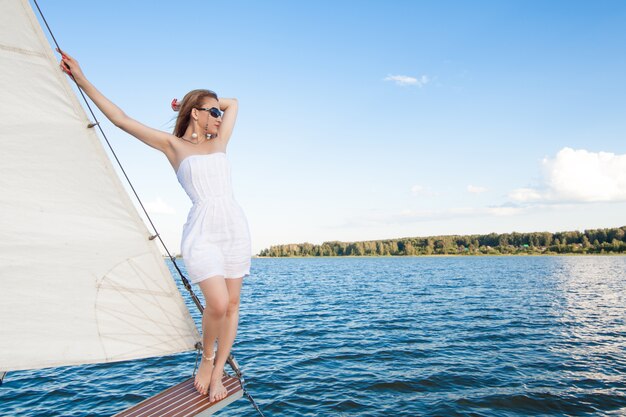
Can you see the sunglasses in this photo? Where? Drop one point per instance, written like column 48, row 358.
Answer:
column 213, row 111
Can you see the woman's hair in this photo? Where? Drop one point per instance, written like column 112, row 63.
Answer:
column 191, row 100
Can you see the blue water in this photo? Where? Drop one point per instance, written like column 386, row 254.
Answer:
column 449, row 336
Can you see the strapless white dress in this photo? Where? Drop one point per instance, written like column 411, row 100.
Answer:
column 216, row 237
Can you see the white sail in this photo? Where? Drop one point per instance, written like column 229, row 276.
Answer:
column 80, row 282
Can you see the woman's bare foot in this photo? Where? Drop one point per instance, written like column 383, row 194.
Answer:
column 217, row 390
column 203, row 377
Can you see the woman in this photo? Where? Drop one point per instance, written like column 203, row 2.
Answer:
column 216, row 240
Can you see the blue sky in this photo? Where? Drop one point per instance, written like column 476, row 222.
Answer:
column 368, row 120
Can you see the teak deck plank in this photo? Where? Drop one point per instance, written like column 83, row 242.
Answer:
column 182, row 400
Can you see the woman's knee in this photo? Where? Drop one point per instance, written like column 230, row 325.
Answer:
column 216, row 296
column 233, row 306
column 217, row 308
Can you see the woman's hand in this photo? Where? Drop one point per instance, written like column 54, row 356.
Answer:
column 152, row 137
column 70, row 66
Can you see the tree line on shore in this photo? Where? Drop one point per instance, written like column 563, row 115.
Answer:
column 594, row 241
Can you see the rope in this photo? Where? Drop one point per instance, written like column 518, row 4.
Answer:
column 231, row 360
column 233, row 364
column 97, row 123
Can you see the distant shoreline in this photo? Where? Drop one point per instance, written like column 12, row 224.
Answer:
column 498, row 255
column 494, row 255
column 588, row 242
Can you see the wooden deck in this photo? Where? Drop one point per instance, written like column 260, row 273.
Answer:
column 183, row 400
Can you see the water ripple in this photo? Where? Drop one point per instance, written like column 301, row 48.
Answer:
column 480, row 336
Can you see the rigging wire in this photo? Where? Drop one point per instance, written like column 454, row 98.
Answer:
column 97, row 123
column 231, row 359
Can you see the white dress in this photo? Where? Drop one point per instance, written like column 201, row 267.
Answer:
column 216, row 237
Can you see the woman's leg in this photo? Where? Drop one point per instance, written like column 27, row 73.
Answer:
column 226, row 338
column 216, row 300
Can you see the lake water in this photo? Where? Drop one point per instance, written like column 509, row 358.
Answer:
column 437, row 336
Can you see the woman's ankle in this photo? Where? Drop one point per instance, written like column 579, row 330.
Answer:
column 218, row 368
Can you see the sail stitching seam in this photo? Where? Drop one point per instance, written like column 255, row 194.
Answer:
column 21, row 50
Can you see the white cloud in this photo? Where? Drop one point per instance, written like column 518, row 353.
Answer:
column 525, row 195
column 579, row 176
column 159, row 206
column 407, row 80
column 415, row 213
column 421, row 190
column 570, row 177
column 463, row 211
column 408, row 216
column 476, row 189
column 504, row 210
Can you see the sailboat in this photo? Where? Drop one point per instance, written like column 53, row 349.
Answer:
column 82, row 280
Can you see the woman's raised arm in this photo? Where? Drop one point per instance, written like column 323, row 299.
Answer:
column 155, row 138
column 229, row 106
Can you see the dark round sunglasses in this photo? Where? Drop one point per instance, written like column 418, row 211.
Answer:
column 213, row 111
